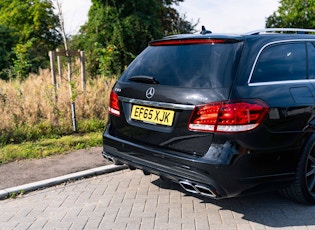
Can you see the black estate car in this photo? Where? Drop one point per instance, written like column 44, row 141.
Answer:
column 223, row 115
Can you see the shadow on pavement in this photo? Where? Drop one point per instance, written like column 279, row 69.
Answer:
column 269, row 209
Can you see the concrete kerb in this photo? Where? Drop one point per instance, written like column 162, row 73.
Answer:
column 5, row 193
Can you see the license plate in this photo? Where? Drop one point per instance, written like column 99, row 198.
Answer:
column 152, row 115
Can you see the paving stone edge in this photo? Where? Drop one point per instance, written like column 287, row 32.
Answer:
column 6, row 193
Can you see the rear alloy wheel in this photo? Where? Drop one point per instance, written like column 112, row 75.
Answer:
column 303, row 188
column 310, row 174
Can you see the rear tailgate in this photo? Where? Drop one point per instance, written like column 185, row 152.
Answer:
column 163, row 124
column 154, row 99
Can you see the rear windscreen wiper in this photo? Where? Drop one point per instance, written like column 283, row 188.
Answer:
column 144, row 79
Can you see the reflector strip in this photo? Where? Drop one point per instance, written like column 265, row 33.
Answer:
column 114, row 108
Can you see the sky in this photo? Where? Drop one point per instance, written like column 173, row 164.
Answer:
column 228, row 16
column 75, row 13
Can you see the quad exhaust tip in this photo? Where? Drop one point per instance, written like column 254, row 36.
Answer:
column 199, row 189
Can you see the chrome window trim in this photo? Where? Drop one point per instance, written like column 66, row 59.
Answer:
column 259, row 53
column 282, row 82
column 157, row 104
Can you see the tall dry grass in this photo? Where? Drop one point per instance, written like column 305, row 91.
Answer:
column 35, row 108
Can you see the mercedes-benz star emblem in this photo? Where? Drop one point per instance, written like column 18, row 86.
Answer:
column 150, row 92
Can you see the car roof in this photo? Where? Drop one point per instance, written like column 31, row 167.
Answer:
column 290, row 33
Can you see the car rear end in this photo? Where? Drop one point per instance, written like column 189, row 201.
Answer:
column 171, row 114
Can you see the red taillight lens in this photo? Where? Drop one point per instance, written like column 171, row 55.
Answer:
column 204, row 117
column 114, row 104
column 228, row 116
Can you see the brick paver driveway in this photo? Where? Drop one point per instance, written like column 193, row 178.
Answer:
column 130, row 200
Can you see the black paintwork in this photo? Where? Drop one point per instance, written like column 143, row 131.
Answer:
column 233, row 163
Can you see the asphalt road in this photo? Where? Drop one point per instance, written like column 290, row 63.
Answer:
column 27, row 171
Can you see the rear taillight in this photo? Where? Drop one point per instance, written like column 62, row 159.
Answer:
column 114, row 104
column 228, row 116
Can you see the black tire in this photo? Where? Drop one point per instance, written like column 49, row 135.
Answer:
column 303, row 188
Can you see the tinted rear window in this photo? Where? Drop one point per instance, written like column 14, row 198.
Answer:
column 281, row 62
column 194, row 66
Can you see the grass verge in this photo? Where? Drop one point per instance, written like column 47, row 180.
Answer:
column 48, row 147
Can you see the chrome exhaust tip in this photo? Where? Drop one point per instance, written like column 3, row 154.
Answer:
column 107, row 157
column 111, row 159
column 207, row 191
column 187, row 186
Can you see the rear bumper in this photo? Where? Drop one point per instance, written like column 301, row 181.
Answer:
column 247, row 173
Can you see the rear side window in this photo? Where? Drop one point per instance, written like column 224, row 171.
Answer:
column 281, row 62
column 189, row 65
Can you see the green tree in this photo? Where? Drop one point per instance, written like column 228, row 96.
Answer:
column 31, row 20
column 118, row 30
column 7, row 41
column 21, row 64
column 293, row 14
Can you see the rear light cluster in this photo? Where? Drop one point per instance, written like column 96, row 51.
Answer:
column 228, row 116
column 114, row 104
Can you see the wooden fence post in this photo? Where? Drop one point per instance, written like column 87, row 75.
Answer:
column 68, row 54
column 52, row 67
column 59, row 67
column 53, row 74
column 55, row 85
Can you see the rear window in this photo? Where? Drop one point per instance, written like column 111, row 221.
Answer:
column 189, row 65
